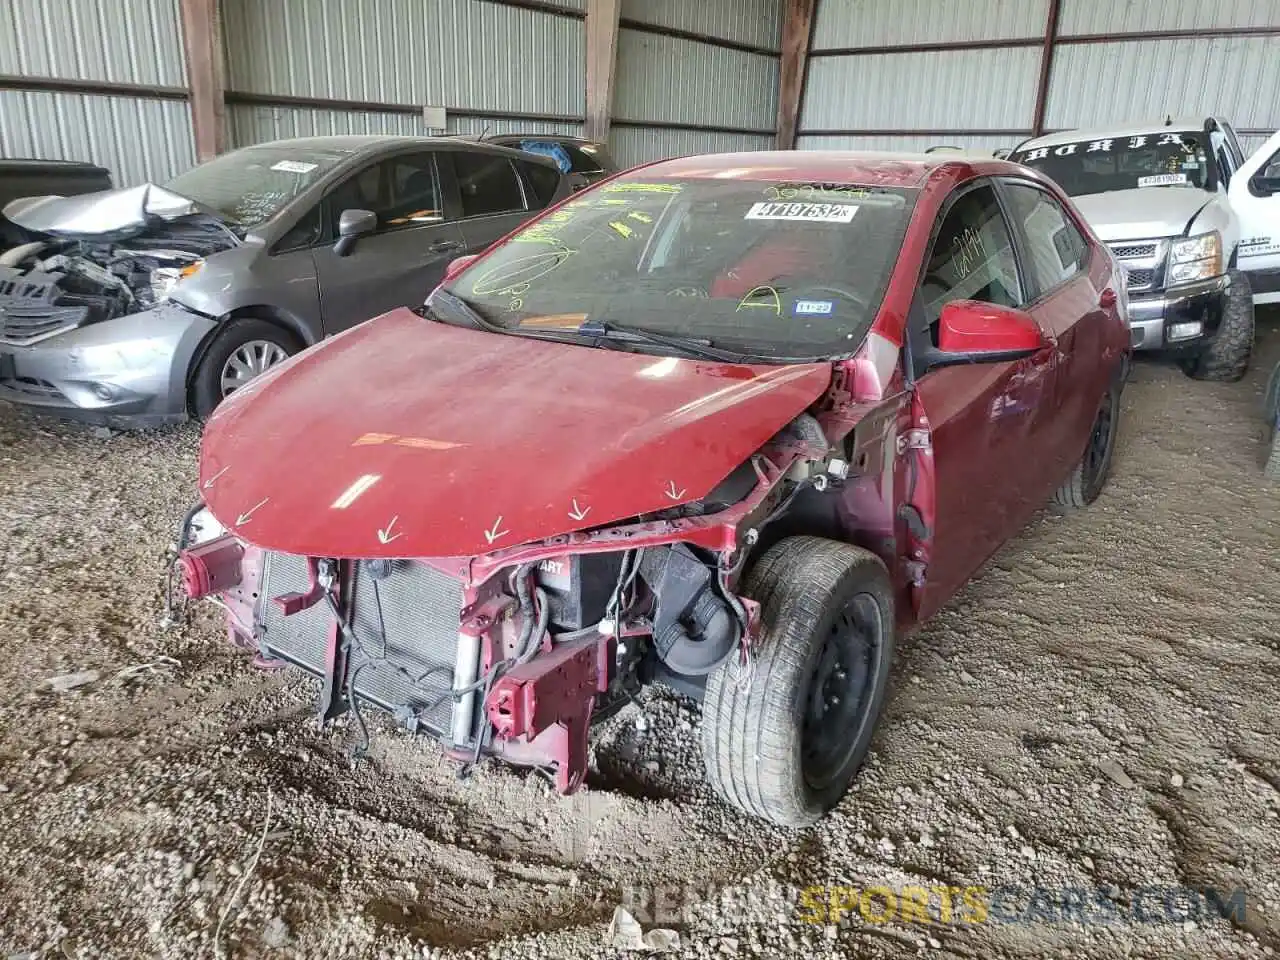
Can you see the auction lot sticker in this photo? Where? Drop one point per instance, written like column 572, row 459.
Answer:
column 819, row 212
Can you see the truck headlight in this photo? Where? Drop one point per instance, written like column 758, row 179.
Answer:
column 1195, row 258
column 164, row 279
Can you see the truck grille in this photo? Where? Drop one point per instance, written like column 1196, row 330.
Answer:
column 1143, row 263
column 406, row 663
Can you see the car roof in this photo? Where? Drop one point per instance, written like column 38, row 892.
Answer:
column 1172, row 124
column 357, row 143
column 867, row 168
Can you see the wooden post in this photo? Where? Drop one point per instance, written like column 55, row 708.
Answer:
column 1046, row 67
column 202, row 46
column 602, row 62
column 797, row 27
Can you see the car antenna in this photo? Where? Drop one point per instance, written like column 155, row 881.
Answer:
column 485, row 132
column 1168, row 120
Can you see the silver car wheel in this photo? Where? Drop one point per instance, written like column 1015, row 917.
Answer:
column 249, row 360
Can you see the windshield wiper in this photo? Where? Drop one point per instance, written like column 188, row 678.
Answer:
column 459, row 306
column 705, row 349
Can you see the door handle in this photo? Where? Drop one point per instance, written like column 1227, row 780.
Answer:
column 1107, row 299
column 440, row 246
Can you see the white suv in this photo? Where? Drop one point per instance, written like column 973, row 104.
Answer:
column 1195, row 225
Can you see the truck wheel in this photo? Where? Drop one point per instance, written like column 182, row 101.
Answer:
column 1226, row 356
column 783, row 736
column 1089, row 475
column 242, row 350
column 1272, row 469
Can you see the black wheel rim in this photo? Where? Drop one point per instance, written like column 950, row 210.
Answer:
column 1095, row 457
column 841, row 692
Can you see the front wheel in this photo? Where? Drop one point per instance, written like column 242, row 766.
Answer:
column 242, row 351
column 1226, row 356
column 783, row 736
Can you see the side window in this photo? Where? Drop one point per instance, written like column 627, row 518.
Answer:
column 305, row 233
column 583, row 161
column 403, row 191
column 487, row 183
column 543, row 181
column 972, row 258
column 1057, row 248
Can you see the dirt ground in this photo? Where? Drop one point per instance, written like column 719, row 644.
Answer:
column 1097, row 711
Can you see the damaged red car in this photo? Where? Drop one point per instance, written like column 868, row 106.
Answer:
column 730, row 423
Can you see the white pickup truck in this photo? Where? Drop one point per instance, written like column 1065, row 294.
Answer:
column 1195, row 224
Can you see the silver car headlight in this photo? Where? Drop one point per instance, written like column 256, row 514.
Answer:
column 164, row 279
column 1195, row 258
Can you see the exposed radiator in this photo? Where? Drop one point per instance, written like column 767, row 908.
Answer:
column 406, row 625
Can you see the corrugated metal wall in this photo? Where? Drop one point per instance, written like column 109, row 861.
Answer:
column 125, row 41
column 452, row 53
column 863, row 94
column 712, row 89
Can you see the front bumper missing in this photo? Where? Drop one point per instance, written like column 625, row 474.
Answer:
column 126, row 372
column 1152, row 318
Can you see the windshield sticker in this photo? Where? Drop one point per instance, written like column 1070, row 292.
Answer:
column 814, row 212
column 1162, row 180
column 1106, row 146
column 294, row 166
column 622, row 229
column 814, row 308
column 765, row 296
column 556, row 321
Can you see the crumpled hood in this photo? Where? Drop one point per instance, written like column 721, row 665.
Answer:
column 1143, row 212
column 407, row 438
column 119, row 214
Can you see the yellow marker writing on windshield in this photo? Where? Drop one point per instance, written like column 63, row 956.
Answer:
column 775, row 302
column 622, row 229
column 642, row 217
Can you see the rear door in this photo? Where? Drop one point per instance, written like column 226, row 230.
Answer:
column 987, row 422
column 1069, row 307
column 1255, row 198
column 489, row 196
column 406, row 256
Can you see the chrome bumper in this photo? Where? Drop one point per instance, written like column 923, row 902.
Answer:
column 126, row 372
column 1149, row 316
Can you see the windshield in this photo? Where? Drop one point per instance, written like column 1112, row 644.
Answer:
column 252, row 185
column 767, row 269
column 1174, row 159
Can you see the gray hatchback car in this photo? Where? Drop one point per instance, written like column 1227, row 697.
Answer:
column 146, row 305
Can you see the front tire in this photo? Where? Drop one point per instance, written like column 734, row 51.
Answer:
column 242, row 350
column 783, row 737
column 1226, row 357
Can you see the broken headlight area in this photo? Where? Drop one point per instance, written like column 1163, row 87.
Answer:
column 60, row 285
column 516, row 667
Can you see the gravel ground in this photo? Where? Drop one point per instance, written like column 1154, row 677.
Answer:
column 1096, row 710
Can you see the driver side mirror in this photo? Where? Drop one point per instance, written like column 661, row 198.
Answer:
column 458, row 264
column 1265, row 186
column 352, row 224
column 973, row 332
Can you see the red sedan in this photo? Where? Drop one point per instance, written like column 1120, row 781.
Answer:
column 731, row 423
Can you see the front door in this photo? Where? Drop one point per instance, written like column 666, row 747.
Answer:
column 987, row 421
column 1255, row 198
column 404, row 258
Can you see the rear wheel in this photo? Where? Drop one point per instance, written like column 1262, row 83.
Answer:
column 243, row 350
column 1089, row 475
column 1226, row 356
column 783, row 737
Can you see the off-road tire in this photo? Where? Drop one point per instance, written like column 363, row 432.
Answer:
column 206, row 390
column 1226, row 356
column 753, row 717
column 1089, row 475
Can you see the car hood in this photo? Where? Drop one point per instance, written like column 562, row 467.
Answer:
column 407, row 438
column 1141, row 213
column 117, row 214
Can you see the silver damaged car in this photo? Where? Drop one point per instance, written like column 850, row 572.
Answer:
column 143, row 306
